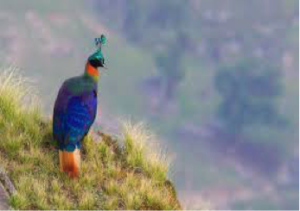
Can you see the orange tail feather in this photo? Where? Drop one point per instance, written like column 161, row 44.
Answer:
column 70, row 162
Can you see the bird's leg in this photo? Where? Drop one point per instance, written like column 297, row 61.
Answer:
column 61, row 163
column 77, row 158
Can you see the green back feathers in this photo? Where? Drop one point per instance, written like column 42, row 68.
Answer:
column 80, row 84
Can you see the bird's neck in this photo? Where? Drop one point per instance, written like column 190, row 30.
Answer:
column 91, row 72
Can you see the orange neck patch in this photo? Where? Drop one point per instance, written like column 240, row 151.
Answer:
column 91, row 71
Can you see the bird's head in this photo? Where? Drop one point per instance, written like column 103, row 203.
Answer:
column 96, row 59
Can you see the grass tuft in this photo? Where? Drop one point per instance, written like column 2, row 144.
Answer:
column 130, row 175
column 143, row 153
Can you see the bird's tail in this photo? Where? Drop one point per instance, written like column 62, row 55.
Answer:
column 69, row 162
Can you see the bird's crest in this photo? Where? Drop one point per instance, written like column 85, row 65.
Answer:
column 98, row 54
column 100, row 41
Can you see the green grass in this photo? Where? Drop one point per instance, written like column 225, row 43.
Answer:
column 115, row 174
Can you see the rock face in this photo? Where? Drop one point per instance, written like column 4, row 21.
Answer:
column 5, row 185
column 3, row 199
column 6, row 182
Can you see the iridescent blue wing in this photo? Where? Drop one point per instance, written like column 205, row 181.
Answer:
column 73, row 117
column 79, row 117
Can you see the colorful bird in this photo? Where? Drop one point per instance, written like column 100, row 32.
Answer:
column 75, row 111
